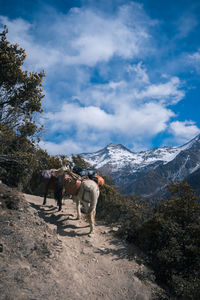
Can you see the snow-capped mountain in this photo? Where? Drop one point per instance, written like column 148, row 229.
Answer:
column 146, row 172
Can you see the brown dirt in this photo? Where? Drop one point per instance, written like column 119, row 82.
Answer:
column 48, row 255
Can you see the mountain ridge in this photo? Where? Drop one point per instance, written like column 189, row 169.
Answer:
column 146, row 173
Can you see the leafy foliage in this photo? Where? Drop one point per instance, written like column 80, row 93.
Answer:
column 20, row 101
column 21, row 92
column 78, row 161
column 114, row 207
column 168, row 233
column 170, row 236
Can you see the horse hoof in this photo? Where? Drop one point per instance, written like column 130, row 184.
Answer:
column 91, row 234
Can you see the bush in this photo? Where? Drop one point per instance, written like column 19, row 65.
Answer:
column 112, row 206
column 171, row 239
column 168, row 234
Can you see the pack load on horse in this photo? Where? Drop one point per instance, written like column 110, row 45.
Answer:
column 84, row 190
column 89, row 173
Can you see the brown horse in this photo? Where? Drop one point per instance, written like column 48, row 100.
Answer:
column 47, row 183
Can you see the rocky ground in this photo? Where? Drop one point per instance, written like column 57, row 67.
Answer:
column 48, row 255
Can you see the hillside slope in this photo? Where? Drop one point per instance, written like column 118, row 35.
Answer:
column 49, row 255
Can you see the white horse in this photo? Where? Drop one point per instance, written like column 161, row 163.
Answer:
column 88, row 195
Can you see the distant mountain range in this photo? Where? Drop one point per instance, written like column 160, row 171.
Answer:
column 147, row 173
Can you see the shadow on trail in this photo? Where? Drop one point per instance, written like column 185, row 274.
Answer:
column 122, row 250
column 117, row 248
column 50, row 215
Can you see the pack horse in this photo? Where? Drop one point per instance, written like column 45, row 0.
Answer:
column 83, row 190
column 48, row 183
column 87, row 193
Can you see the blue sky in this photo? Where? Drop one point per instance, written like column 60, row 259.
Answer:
column 117, row 71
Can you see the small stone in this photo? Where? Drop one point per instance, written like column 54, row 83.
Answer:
column 115, row 229
column 28, row 249
column 7, row 231
column 1, row 248
column 105, row 231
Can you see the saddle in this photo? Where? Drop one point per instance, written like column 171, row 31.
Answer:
column 73, row 181
column 89, row 174
column 46, row 174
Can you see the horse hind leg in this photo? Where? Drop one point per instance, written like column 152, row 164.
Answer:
column 45, row 197
column 91, row 217
column 44, row 200
column 78, row 199
column 78, row 208
column 59, row 200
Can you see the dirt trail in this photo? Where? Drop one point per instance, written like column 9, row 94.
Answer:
column 93, row 267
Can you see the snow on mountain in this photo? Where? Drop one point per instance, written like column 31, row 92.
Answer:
column 146, row 172
column 118, row 156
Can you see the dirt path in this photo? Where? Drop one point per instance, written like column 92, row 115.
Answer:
column 96, row 267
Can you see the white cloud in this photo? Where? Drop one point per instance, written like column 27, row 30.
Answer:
column 183, row 131
column 133, row 91
column 194, row 60
column 69, row 146
column 127, row 105
column 38, row 56
column 140, row 71
column 81, row 37
column 169, row 92
column 118, row 108
column 146, row 120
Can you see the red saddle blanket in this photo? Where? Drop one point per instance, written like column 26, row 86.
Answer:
column 72, row 185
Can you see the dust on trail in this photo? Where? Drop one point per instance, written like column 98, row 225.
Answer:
column 99, row 266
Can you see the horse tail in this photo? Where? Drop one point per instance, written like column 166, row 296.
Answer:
column 94, row 194
column 94, row 198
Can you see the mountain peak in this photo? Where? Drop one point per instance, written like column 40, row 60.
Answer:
column 114, row 145
column 117, row 147
column 147, row 173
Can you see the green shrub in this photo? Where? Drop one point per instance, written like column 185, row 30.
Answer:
column 169, row 234
column 171, row 239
